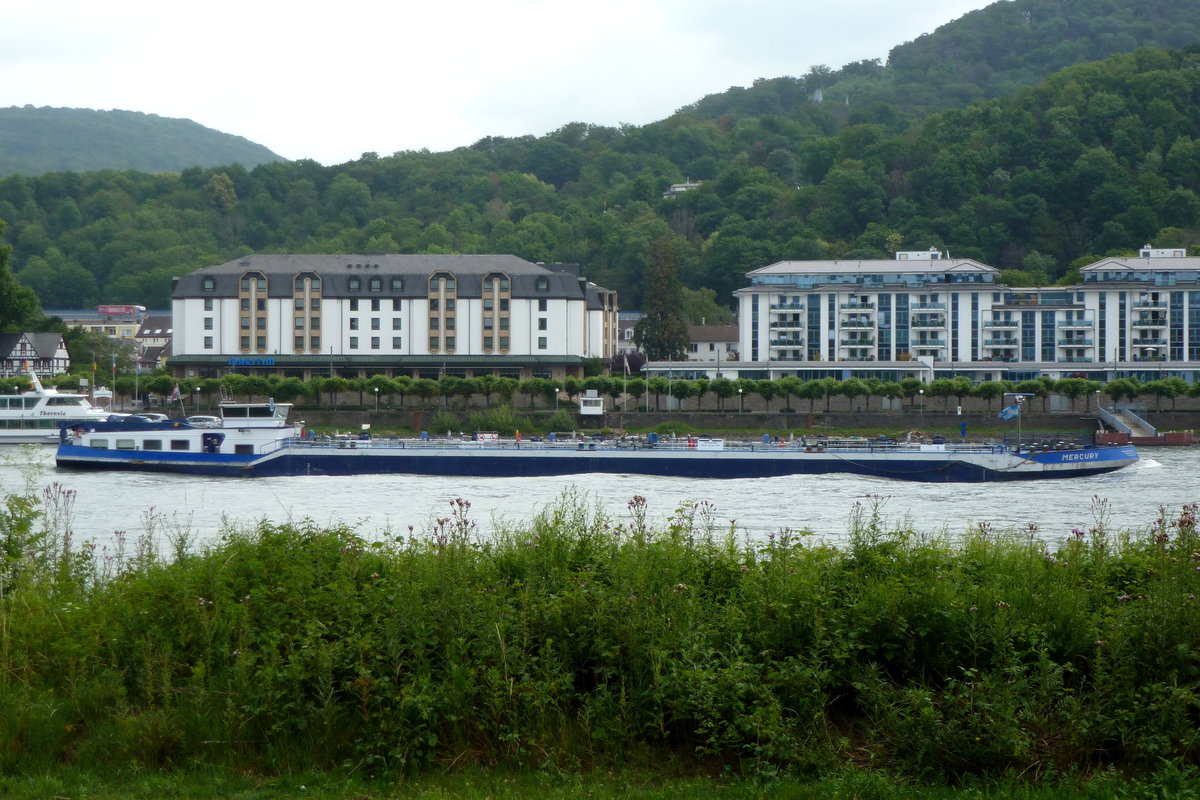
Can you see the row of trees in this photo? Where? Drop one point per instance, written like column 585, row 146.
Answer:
column 728, row 394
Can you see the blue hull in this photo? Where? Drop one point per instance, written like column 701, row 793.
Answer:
column 764, row 463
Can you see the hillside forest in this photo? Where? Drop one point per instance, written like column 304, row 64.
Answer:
column 1098, row 158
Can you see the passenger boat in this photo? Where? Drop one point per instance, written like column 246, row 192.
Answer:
column 257, row 439
column 34, row 417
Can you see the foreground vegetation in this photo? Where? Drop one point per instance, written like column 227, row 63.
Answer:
column 580, row 650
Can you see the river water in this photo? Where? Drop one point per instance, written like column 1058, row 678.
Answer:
column 382, row 506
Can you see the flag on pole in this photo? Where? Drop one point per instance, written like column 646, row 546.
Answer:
column 1008, row 412
column 174, row 394
column 626, row 360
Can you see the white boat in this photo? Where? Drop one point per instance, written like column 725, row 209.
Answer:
column 34, row 417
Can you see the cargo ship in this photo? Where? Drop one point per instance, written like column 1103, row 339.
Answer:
column 256, row 439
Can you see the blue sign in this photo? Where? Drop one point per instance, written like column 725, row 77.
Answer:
column 251, row 362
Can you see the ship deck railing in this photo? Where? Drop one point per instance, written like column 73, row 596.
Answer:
column 699, row 446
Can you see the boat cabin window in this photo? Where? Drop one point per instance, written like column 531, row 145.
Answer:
column 244, row 449
column 99, row 444
column 152, row 444
column 64, row 401
column 180, row 444
column 126, row 444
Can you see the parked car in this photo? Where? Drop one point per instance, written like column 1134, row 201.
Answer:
column 150, row 416
column 202, row 421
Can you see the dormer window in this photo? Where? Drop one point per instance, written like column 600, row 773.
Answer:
column 397, row 284
column 354, row 284
column 542, row 285
column 375, row 284
column 209, row 285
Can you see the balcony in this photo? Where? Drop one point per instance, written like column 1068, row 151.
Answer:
column 1002, row 323
column 1076, row 324
column 927, row 322
column 1075, row 343
column 786, row 343
column 788, row 324
column 927, row 307
column 857, row 342
column 1150, row 322
column 787, row 307
column 1149, row 304
column 1001, row 342
column 857, row 306
column 1148, row 343
column 858, row 323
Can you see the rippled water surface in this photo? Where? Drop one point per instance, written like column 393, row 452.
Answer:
column 387, row 505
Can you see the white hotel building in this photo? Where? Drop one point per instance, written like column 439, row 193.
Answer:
column 414, row 315
column 928, row 316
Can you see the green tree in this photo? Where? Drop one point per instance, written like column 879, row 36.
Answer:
column 661, row 332
column 19, row 308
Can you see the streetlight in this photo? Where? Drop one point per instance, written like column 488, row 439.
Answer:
column 556, row 391
column 741, row 403
column 376, row 399
column 921, row 392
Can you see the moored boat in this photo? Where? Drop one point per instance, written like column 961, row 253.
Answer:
column 35, row 416
column 257, row 439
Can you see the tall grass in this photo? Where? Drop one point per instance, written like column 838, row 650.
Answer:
column 579, row 640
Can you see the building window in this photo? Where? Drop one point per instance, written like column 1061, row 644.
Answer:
column 374, row 303
column 375, row 284
column 315, row 304
column 487, row 323
column 504, row 304
column 208, row 323
column 433, row 304
column 208, row 304
column 542, row 304
column 298, row 323
column 433, row 323
column 298, row 304
column 397, row 285
column 374, row 323
column 396, row 343
column 503, row 342
column 396, row 324
column 315, row 323
column 209, row 285
column 374, row 342
column 396, row 303
column 449, row 303
column 542, row 284
column 245, row 323
column 354, row 285
column 449, row 323
column 541, row 343
column 487, row 304
column 541, row 323
column 487, row 342
column 353, row 342
column 354, row 323
column 449, row 342
column 260, row 323
column 433, row 343
column 315, row 343
column 245, row 342
column 260, row 342
column 208, row 343
column 299, row 343
column 245, row 304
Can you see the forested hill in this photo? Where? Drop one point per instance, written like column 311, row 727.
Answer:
column 38, row 140
column 1099, row 158
column 986, row 53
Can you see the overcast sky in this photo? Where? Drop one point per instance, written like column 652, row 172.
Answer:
column 334, row 80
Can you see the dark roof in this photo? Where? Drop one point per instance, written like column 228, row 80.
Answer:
column 564, row 280
column 44, row 344
column 155, row 327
